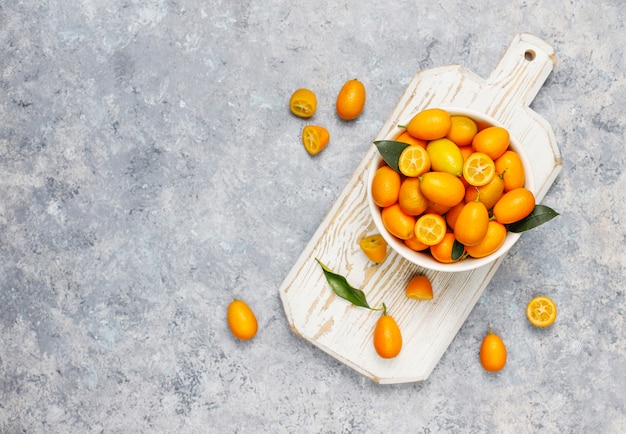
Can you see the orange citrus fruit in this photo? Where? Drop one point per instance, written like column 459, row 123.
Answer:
column 405, row 137
column 493, row 240
column 430, row 229
column 303, row 103
column 414, row 161
column 466, row 151
column 430, row 124
column 462, row 130
column 442, row 188
column 492, row 353
column 514, row 205
column 541, row 311
column 471, row 224
column 419, row 288
column 414, row 244
column 493, row 141
column 314, row 138
column 398, row 223
column 437, row 208
column 478, row 169
column 442, row 251
column 453, row 214
column 510, row 166
column 241, row 320
column 385, row 186
column 387, row 337
column 445, row 156
column 488, row 193
column 374, row 247
column 411, row 199
column 350, row 100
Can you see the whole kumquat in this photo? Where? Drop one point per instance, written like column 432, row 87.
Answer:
column 387, row 336
column 466, row 151
column 386, row 186
column 471, row 224
column 492, row 241
column 399, row 224
column 462, row 130
column 351, row 100
column 241, row 320
column 437, row 208
column 442, row 251
column 514, row 205
column 488, row 193
column 430, row 124
column 414, row 244
column 442, row 188
column 493, row 141
column 411, row 199
column 405, row 137
column 445, row 156
column 453, row 214
column 510, row 166
column 492, row 353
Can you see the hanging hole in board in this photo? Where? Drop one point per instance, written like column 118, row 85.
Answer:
column 529, row 55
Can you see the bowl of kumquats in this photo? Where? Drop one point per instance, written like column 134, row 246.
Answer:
column 452, row 190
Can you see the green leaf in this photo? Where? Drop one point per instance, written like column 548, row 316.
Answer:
column 457, row 250
column 540, row 215
column 390, row 150
column 343, row 289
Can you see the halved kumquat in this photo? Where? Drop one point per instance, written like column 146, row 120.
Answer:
column 478, row 169
column 430, row 229
column 419, row 288
column 414, row 161
column 315, row 138
column 541, row 311
column 303, row 103
column 374, row 247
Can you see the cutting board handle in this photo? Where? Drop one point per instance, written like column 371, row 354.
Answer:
column 522, row 71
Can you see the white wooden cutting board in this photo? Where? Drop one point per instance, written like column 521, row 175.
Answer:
column 345, row 331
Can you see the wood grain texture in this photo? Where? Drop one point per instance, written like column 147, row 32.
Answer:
column 345, row 331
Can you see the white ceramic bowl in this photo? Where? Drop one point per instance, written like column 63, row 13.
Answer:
column 424, row 259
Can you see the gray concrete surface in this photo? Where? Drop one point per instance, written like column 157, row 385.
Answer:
column 150, row 171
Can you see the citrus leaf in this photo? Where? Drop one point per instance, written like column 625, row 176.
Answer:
column 343, row 289
column 457, row 250
column 390, row 150
column 540, row 215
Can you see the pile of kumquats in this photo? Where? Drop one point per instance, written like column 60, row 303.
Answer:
column 451, row 186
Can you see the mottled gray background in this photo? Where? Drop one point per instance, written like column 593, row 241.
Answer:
column 150, row 171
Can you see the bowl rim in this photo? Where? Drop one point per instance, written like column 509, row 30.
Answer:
column 423, row 259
